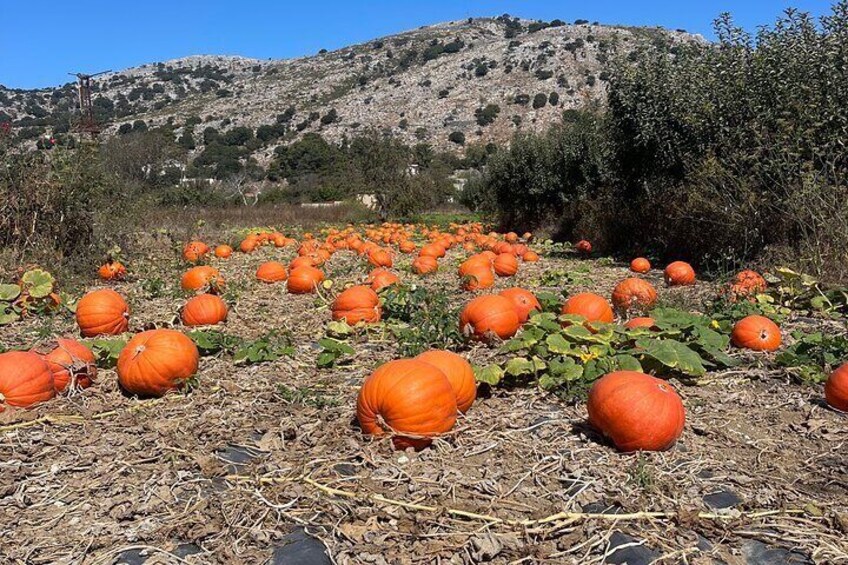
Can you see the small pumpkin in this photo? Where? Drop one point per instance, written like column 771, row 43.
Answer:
column 746, row 284
column 524, row 302
column 112, row 271
column 408, row 399
column 71, row 363
column 489, row 317
column 157, row 361
column 583, row 247
column 634, row 293
column 505, row 265
column 640, row 265
column 194, row 251
column 530, row 257
column 459, row 372
column 425, row 264
column 102, row 312
column 204, row 310
column 478, row 277
column 223, row 251
column 757, row 333
column 589, row 305
column 636, row 411
column 645, row 322
column 679, row 273
column 26, row 379
column 836, row 389
column 357, row 304
column 380, row 278
column 202, row 279
column 271, row 272
column 304, row 280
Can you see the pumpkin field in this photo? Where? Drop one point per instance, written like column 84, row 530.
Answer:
column 418, row 393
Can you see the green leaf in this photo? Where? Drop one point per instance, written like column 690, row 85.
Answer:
column 9, row 292
column 7, row 317
column 673, row 355
column 339, row 329
column 491, row 375
column 518, row 366
column 38, row 283
column 558, row 344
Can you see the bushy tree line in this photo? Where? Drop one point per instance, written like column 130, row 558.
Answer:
column 719, row 153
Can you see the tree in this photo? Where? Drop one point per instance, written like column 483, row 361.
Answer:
column 539, row 101
column 457, row 137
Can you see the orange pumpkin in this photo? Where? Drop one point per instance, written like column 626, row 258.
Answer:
column 304, row 261
column 380, row 258
column 530, row 257
column 474, row 262
column 102, row 312
column 271, row 272
column 408, row 399
column 194, row 251
column 640, row 265
column 433, row 250
column 584, row 247
column 636, row 411
column 634, row 293
column 646, row 322
column 156, row 361
column 381, row 278
column 425, row 264
column 249, row 244
column 26, row 379
column 679, row 273
column 591, row 306
column 357, row 304
column 459, row 373
column 202, row 279
column 304, row 280
column 487, row 317
column 112, row 271
column 71, row 363
column 747, row 283
column 836, row 389
column 204, row 310
column 505, row 264
column 524, row 302
column 223, row 251
column 478, row 277
column 757, row 333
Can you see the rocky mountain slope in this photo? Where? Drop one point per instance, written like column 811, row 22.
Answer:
column 477, row 80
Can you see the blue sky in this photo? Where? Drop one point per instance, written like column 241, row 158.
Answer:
column 42, row 41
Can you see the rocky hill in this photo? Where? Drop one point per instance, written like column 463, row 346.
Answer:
column 477, row 80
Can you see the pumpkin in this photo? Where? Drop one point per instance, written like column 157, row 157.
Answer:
column 459, row 373
column 304, row 280
column 583, row 247
column 640, row 265
column 71, row 363
column 487, row 317
column 747, row 283
column 249, row 244
column 380, row 258
column 679, row 273
column 530, row 257
column 271, row 272
column 304, row 261
column 26, row 379
column 202, row 279
column 524, row 302
column 408, row 399
column 636, row 411
column 757, row 333
column 432, row 250
column 204, row 310
column 648, row 323
column 591, row 306
column 836, row 389
column 381, row 278
column 425, row 264
column 474, row 262
column 112, row 271
column 478, row 277
column 505, row 264
column 223, row 251
column 511, row 237
column 357, row 304
column 194, row 251
column 102, row 312
column 634, row 293
column 156, row 361
column 407, row 247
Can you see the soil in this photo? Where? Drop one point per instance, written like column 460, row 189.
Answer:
column 241, row 470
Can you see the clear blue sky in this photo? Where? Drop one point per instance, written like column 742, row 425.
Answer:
column 41, row 41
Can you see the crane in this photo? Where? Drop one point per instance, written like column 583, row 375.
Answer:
column 87, row 123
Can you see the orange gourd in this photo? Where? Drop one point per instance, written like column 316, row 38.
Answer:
column 679, row 273
column 26, row 379
column 204, row 310
column 459, row 372
column 634, row 293
column 102, row 312
column 357, row 304
column 645, row 322
column 157, row 361
column 223, row 251
column 202, row 279
column 757, row 333
column 489, row 317
column 112, row 271
column 505, row 265
column 836, row 389
column 583, row 247
column 591, row 306
column 381, row 278
column 304, row 280
column 380, row 258
column 478, row 277
column 271, row 272
column 530, row 257
column 425, row 264
column 640, row 265
column 194, row 251
column 524, row 302
column 71, row 363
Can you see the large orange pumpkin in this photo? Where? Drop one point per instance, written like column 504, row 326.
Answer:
column 433, row 250
column 505, row 264
column 679, row 273
column 425, row 264
column 487, row 317
column 530, row 257
column 634, row 293
column 408, row 399
column 202, row 279
column 757, row 333
column 380, row 278
column 474, row 262
column 194, row 251
column 836, row 389
column 357, row 304
column 156, row 361
column 223, row 251
column 524, row 302
column 71, row 363
column 249, row 244
column 304, row 280
column 640, row 265
column 591, row 306
column 112, row 271
column 380, row 258
column 478, row 277
column 459, row 373
column 102, row 312
column 636, row 411
column 271, row 272
column 26, row 379
column 204, row 310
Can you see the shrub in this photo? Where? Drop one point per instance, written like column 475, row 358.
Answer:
column 457, row 137
column 487, row 115
column 540, row 101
